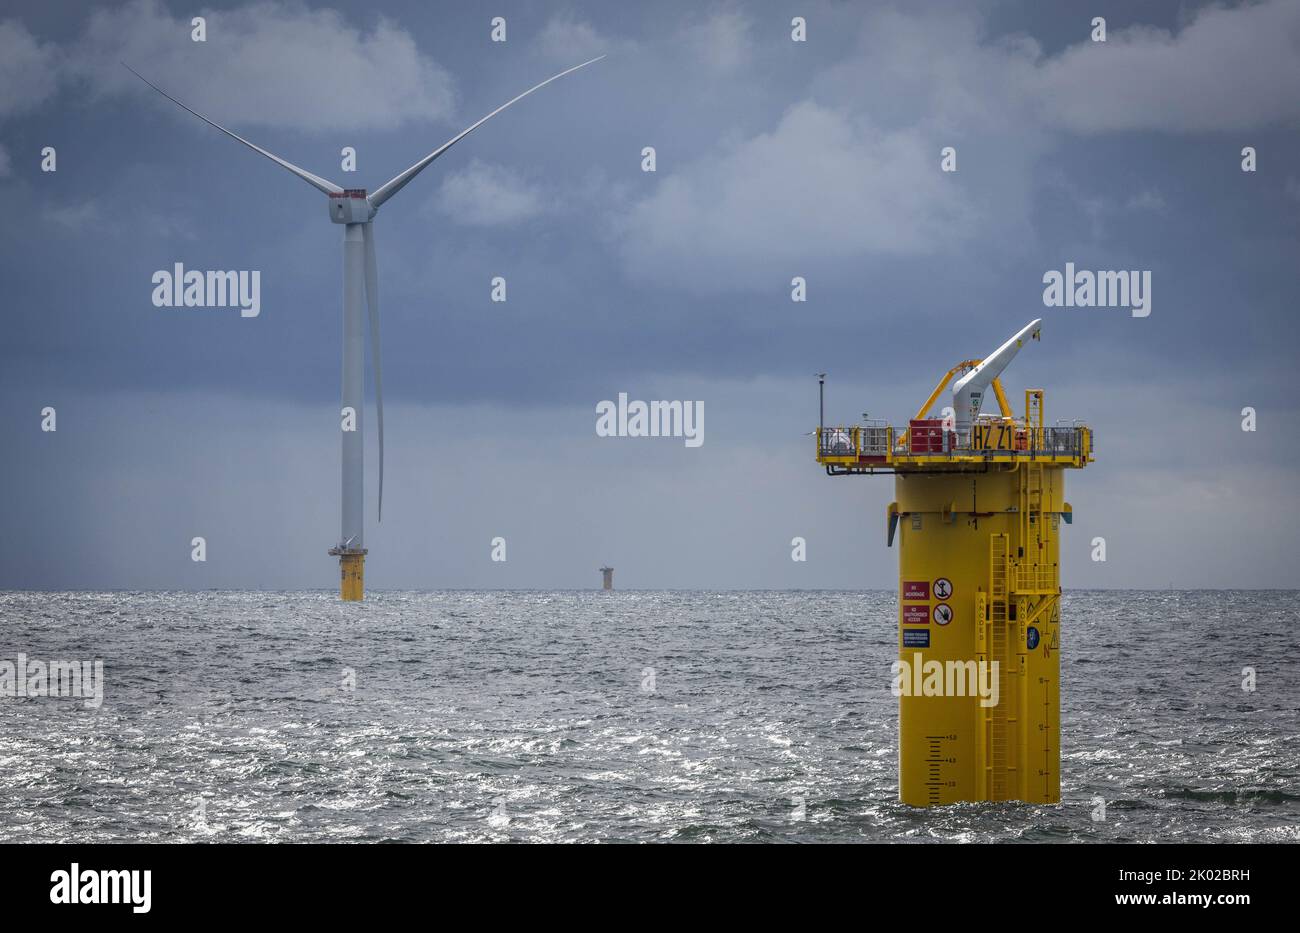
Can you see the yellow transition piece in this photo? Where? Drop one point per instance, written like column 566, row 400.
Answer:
column 979, row 586
column 352, row 571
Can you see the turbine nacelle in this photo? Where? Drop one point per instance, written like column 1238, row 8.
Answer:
column 350, row 206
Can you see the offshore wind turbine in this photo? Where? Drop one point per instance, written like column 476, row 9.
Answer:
column 356, row 210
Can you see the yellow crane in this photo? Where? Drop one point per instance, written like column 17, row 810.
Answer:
column 964, row 366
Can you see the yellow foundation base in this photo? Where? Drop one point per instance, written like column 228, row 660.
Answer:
column 980, row 585
column 352, row 576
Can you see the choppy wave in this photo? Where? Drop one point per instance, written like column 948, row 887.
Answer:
column 528, row 716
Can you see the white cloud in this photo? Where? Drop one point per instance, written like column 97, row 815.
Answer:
column 1104, row 210
column 939, row 69
column 4, row 162
column 29, row 71
column 1146, row 200
column 484, row 195
column 1228, row 69
column 267, row 63
column 142, row 223
column 820, row 185
column 565, row 39
column 80, row 218
column 722, row 40
column 852, row 169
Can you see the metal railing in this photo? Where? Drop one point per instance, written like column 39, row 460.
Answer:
column 1036, row 578
column 837, row 442
column 874, row 440
column 1060, row 440
column 880, row 440
column 866, row 440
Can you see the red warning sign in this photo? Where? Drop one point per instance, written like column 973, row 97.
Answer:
column 916, row 589
column 916, row 615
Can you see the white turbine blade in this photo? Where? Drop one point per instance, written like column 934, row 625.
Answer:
column 327, row 187
column 390, row 188
column 372, row 303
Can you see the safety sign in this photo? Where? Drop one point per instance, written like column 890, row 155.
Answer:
column 916, row 589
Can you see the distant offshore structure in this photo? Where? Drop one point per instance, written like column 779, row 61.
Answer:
column 608, row 573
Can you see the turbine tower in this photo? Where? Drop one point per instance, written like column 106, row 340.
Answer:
column 356, row 211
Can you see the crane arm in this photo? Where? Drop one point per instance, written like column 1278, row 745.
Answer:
column 1003, row 404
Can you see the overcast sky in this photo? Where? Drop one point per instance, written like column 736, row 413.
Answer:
column 775, row 159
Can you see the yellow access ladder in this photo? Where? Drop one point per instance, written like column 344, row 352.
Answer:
column 999, row 728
